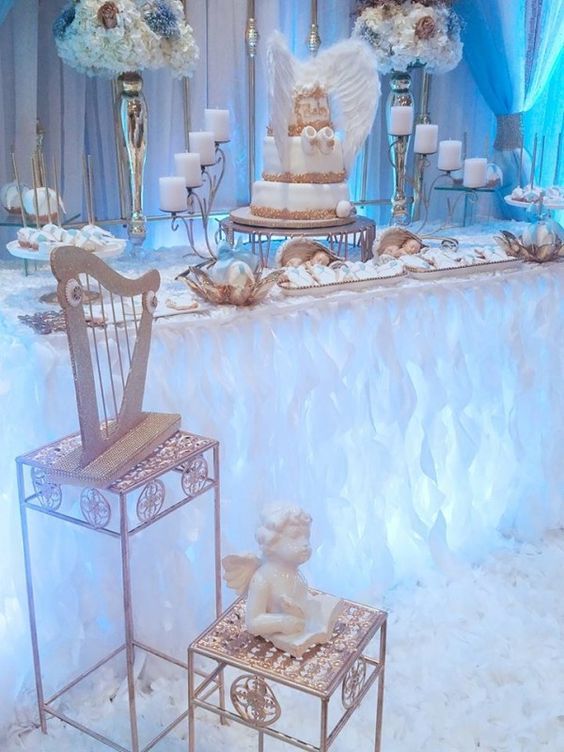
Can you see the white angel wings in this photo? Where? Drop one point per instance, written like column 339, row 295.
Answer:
column 238, row 570
column 346, row 70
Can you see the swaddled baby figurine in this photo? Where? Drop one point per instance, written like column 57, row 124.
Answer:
column 280, row 606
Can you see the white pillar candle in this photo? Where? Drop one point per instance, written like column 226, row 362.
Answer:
column 426, row 138
column 475, row 172
column 401, row 120
column 172, row 194
column 450, row 155
column 188, row 166
column 217, row 121
column 203, row 143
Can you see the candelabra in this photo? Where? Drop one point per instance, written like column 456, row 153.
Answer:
column 201, row 204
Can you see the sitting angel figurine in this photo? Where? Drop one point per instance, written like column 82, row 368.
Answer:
column 280, row 606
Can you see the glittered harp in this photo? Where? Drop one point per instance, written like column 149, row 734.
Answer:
column 109, row 363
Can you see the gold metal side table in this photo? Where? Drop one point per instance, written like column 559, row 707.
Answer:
column 261, row 671
column 176, row 473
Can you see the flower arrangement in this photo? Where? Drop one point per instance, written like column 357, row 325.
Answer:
column 403, row 33
column 114, row 37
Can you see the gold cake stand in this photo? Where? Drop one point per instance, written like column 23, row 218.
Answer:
column 342, row 236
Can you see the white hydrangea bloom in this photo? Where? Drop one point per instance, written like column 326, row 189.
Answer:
column 89, row 47
column 391, row 32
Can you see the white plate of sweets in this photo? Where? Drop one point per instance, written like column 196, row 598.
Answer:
column 319, row 280
column 552, row 198
column 439, row 263
column 37, row 244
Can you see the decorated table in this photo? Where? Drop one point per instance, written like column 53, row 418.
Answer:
column 418, row 420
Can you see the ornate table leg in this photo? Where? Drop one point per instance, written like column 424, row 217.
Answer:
column 128, row 611
column 380, row 695
column 217, row 554
column 323, row 736
column 31, row 601
column 191, row 713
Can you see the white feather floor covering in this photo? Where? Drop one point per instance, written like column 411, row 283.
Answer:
column 475, row 662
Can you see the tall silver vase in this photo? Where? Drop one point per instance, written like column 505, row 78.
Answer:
column 399, row 95
column 133, row 118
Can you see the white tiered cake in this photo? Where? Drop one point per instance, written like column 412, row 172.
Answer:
column 314, row 181
column 305, row 163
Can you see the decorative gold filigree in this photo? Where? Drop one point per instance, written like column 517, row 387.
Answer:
column 151, row 500
column 318, row 667
column 194, row 476
column 305, row 177
column 49, row 494
column 95, row 508
column 353, row 683
column 254, row 700
column 269, row 212
column 168, row 455
column 311, row 107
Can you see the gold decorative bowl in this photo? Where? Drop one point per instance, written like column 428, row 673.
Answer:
column 252, row 290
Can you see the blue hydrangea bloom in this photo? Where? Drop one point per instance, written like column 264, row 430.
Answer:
column 161, row 20
column 63, row 21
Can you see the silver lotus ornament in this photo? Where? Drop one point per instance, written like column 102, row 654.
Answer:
column 539, row 242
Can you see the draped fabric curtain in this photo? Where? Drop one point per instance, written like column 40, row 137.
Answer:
column 512, row 48
column 76, row 111
column 5, row 6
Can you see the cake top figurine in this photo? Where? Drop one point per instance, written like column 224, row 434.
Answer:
column 280, row 606
column 338, row 88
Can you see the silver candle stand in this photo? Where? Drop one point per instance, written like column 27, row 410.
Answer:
column 201, row 205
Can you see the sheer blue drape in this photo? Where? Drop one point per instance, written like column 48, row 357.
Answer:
column 512, row 48
column 5, row 6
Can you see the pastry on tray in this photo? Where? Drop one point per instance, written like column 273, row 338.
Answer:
column 90, row 237
column 318, row 275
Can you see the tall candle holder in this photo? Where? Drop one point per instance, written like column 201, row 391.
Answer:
column 201, row 204
column 421, row 160
column 400, row 95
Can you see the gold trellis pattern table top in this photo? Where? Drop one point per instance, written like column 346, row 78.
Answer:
column 173, row 452
column 319, row 671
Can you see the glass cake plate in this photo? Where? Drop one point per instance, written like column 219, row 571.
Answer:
column 547, row 203
column 43, row 253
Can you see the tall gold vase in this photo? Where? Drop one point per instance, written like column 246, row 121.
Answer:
column 133, row 120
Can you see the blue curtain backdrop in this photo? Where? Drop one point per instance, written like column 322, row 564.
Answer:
column 514, row 48
column 5, row 6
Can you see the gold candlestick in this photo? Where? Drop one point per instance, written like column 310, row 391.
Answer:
column 251, row 40
column 313, row 40
column 421, row 160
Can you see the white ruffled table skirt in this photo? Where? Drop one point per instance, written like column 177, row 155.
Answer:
column 415, row 422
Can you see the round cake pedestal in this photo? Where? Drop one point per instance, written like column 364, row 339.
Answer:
column 342, row 239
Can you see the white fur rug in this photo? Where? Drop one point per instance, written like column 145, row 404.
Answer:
column 475, row 663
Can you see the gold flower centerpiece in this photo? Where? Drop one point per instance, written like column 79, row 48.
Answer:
column 235, row 278
column 114, row 39
column 543, row 241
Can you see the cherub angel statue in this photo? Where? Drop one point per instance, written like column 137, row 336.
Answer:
column 280, row 606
